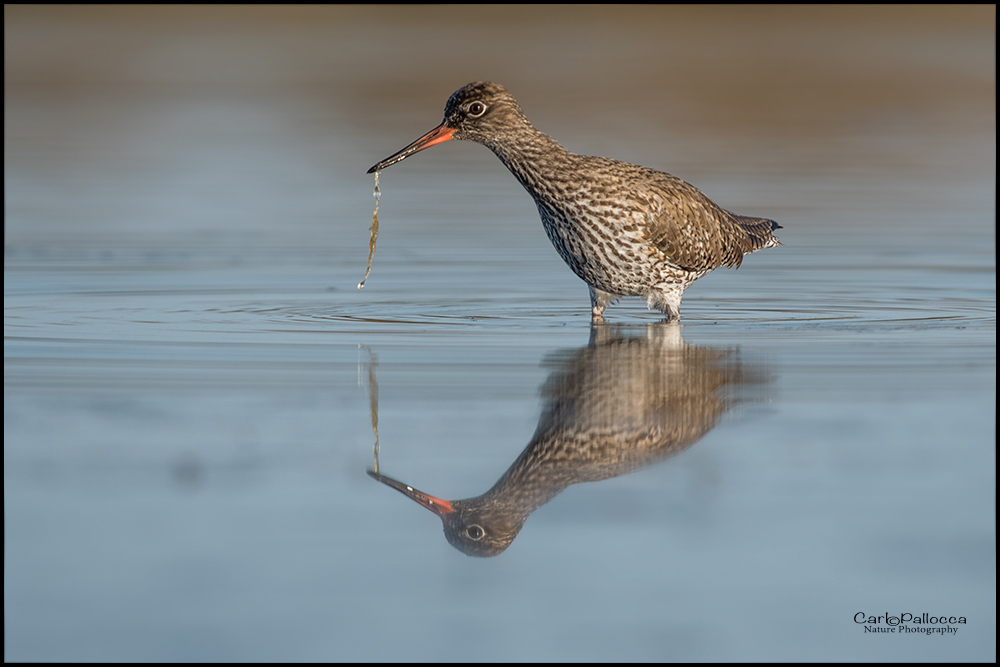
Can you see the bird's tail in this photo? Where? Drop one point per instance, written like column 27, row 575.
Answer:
column 760, row 230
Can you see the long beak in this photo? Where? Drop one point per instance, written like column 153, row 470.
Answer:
column 438, row 135
column 436, row 505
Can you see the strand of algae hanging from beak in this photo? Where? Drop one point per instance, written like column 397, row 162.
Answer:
column 374, row 231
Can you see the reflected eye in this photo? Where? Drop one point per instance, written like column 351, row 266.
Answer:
column 476, row 109
column 475, row 532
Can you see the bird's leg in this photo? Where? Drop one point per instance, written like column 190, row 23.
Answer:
column 599, row 300
column 667, row 298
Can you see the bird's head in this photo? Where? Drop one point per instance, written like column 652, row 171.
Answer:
column 481, row 111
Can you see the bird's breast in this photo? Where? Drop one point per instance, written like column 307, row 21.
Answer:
column 603, row 242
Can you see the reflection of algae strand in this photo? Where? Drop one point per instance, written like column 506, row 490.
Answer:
column 374, row 230
column 373, row 401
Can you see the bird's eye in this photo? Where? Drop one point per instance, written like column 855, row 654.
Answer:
column 476, row 109
column 475, row 532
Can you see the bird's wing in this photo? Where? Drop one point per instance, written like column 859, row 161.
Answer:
column 692, row 231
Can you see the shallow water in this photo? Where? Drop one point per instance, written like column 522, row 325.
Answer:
column 187, row 421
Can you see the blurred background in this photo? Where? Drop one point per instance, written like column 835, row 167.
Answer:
column 200, row 120
column 186, row 405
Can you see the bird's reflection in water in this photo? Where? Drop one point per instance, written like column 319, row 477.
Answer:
column 631, row 397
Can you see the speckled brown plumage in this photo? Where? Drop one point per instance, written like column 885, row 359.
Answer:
column 625, row 230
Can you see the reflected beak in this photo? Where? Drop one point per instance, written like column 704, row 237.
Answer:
column 436, row 505
column 438, row 135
